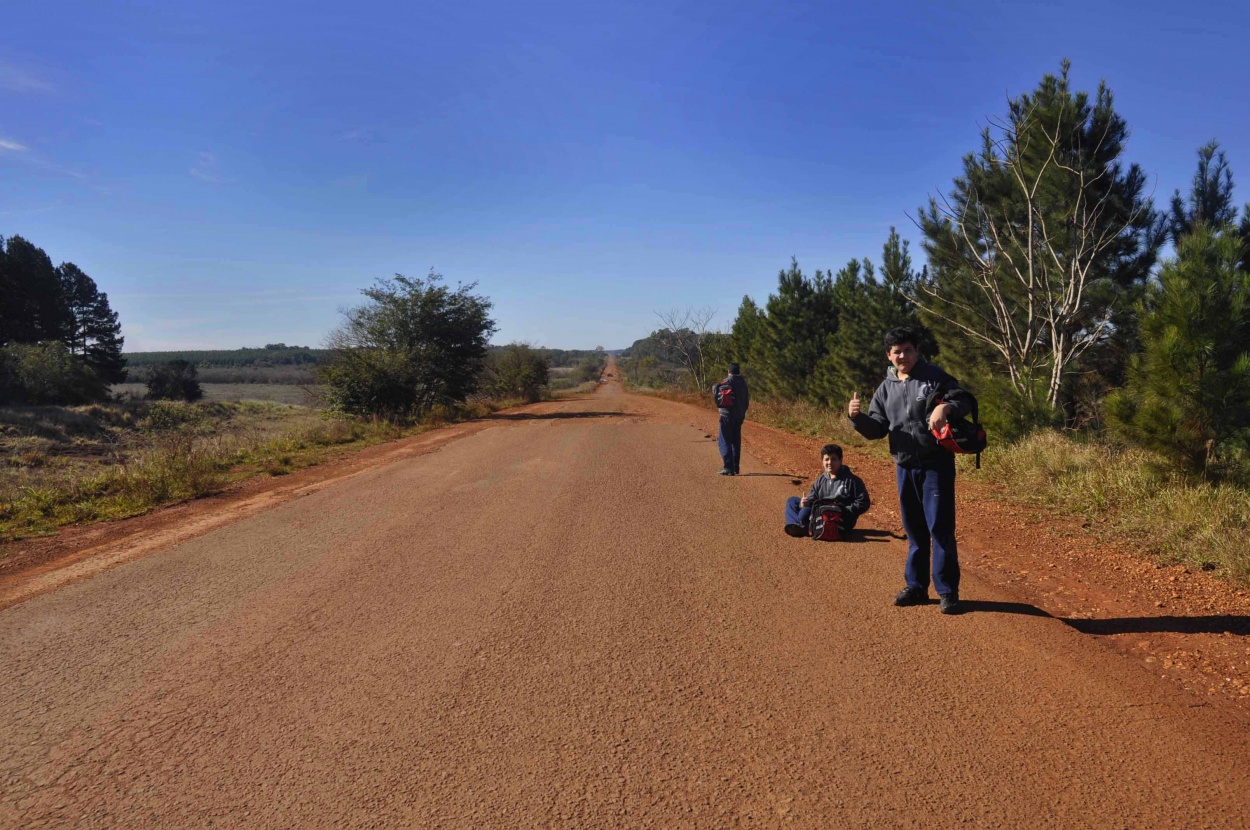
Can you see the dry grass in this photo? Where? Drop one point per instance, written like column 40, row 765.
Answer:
column 238, row 392
column 80, row 464
column 1130, row 494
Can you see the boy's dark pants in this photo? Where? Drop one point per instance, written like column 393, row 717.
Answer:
column 926, row 498
column 795, row 514
column 730, row 440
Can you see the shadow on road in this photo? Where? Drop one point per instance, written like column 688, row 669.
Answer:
column 862, row 535
column 551, row 416
column 1217, row 624
column 973, row 606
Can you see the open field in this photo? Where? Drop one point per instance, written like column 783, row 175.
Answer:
column 70, row 465
column 267, row 392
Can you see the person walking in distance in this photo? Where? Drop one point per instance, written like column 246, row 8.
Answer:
column 925, row 471
column 732, row 400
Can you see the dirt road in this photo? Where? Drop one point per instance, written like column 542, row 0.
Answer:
column 564, row 619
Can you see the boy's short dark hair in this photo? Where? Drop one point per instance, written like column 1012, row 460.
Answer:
column 832, row 450
column 734, row 369
column 900, row 335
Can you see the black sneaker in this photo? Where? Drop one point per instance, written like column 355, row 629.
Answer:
column 950, row 603
column 797, row 531
column 911, row 596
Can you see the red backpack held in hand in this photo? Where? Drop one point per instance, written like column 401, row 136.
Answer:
column 724, row 394
column 958, row 435
column 826, row 522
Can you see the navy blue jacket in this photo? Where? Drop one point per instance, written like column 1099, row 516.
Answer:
column 846, row 489
column 742, row 398
column 898, row 410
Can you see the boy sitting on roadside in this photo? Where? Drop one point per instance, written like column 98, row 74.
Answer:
column 837, row 484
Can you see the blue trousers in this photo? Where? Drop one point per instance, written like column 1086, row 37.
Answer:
column 926, row 498
column 730, row 441
column 796, row 515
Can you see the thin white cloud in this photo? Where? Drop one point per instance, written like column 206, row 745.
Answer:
column 15, row 79
column 34, row 211
column 361, row 135
column 205, row 169
column 13, row 146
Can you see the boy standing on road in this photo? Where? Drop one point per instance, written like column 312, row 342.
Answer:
column 731, row 418
column 925, row 471
column 839, row 485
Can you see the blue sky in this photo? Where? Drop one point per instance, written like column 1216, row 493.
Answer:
column 233, row 173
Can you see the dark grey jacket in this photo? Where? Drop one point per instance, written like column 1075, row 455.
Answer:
column 898, row 410
column 845, row 488
column 742, row 398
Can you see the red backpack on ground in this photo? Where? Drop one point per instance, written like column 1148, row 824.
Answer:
column 826, row 522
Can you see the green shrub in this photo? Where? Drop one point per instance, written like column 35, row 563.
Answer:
column 46, row 373
column 174, row 381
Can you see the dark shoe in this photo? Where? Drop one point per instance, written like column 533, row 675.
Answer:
column 950, row 603
column 725, row 472
column 911, row 596
column 797, row 531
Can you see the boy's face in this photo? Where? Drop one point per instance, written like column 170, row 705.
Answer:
column 903, row 356
column 831, row 464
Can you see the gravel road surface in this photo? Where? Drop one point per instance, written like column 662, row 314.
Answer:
column 565, row 619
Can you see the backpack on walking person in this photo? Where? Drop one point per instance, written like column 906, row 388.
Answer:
column 723, row 394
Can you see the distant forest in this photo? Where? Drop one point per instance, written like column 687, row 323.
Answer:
column 280, row 354
column 272, row 354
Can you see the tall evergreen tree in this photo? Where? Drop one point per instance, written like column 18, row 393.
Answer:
column 1038, row 251
column 852, row 291
column 32, row 309
column 92, row 329
column 855, row 361
column 745, row 331
column 1189, row 390
column 1210, row 197
column 792, row 340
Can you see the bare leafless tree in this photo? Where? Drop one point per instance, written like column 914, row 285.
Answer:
column 685, row 331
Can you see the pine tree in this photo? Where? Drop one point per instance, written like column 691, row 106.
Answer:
column 1210, row 197
column 873, row 306
column 32, row 309
column 745, row 332
column 92, row 329
column 1189, row 390
column 852, row 290
column 1043, row 242
column 792, row 339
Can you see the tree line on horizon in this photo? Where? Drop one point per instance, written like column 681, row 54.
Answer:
column 60, row 341
column 1043, row 290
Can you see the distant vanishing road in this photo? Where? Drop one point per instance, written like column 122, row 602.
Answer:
column 566, row 620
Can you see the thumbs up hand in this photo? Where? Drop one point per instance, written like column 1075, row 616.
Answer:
column 854, row 408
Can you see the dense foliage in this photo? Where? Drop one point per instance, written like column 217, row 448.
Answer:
column 174, row 381
column 414, row 345
column 272, row 354
column 516, row 371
